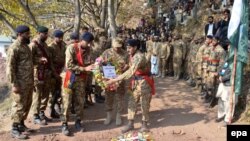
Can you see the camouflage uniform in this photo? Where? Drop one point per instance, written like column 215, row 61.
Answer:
column 140, row 90
column 178, row 57
column 164, row 53
column 192, row 59
column 216, row 59
column 149, row 45
column 121, row 59
column 20, row 74
column 78, row 88
column 58, row 61
column 42, row 76
column 205, row 59
column 199, row 59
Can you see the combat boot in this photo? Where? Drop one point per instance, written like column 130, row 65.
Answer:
column 37, row 120
column 16, row 133
column 54, row 114
column 43, row 117
column 108, row 119
column 78, row 126
column 65, row 129
column 23, row 128
column 118, row 121
column 128, row 127
column 144, row 127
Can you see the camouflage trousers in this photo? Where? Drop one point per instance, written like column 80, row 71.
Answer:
column 55, row 92
column 40, row 96
column 115, row 98
column 169, row 64
column 177, row 63
column 21, row 104
column 140, row 92
column 211, row 80
column 78, row 93
column 162, row 66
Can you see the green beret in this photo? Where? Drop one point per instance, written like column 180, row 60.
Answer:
column 42, row 29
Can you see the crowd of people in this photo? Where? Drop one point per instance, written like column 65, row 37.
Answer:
column 61, row 74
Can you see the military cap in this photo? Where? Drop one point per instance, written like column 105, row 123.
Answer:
column 22, row 29
column 42, row 29
column 58, row 33
column 74, row 36
column 87, row 36
column 117, row 42
column 132, row 43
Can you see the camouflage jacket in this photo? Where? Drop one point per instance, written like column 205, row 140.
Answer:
column 58, row 56
column 137, row 62
column 179, row 49
column 120, row 59
column 20, row 65
column 216, row 58
column 41, row 69
column 164, row 50
column 71, row 58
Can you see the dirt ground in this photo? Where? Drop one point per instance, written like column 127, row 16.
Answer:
column 175, row 108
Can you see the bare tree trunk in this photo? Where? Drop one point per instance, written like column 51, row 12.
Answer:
column 26, row 8
column 104, row 13
column 77, row 21
column 111, row 18
column 8, row 24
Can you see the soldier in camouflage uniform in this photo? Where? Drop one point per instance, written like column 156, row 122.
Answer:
column 120, row 56
column 149, row 45
column 170, row 58
column 164, row 53
column 57, row 49
column 201, row 61
column 216, row 59
column 142, row 86
column 194, row 46
column 75, row 81
column 178, row 55
column 20, row 74
column 99, row 47
column 42, row 75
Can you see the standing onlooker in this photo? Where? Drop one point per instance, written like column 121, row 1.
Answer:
column 210, row 28
column 20, row 74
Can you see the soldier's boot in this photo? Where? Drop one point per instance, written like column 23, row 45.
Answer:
column 65, row 129
column 44, row 117
column 23, row 128
column 79, row 126
column 118, row 121
column 108, row 119
column 53, row 113
column 37, row 120
column 128, row 127
column 144, row 127
column 16, row 133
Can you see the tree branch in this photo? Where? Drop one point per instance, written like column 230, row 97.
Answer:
column 26, row 8
column 15, row 17
column 8, row 24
